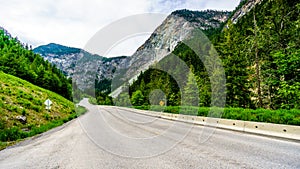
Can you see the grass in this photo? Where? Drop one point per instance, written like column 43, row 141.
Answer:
column 80, row 110
column 281, row 116
column 93, row 100
column 21, row 98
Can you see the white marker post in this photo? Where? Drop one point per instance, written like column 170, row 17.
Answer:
column 48, row 104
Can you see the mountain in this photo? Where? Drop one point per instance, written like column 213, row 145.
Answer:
column 177, row 27
column 203, row 19
column 73, row 61
column 164, row 39
column 63, row 57
column 259, row 50
column 26, row 82
column 18, row 60
column 244, row 7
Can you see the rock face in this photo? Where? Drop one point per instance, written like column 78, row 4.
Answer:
column 74, row 61
column 63, row 57
column 174, row 29
column 249, row 4
column 22, row 119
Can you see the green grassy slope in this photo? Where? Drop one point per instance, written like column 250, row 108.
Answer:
column 21, row 98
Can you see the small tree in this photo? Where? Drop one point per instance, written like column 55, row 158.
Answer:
column 190, row 92
column 137, row 98
column 123, row 100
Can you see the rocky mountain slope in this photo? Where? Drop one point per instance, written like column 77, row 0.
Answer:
column 174, row 29
column 67, row 59
column 164, row 39
column 63, row 57
column 245, row 7
column 177, row 27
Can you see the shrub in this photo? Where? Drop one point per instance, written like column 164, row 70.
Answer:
column 10, row 134
column 23, row 112
column 281, row 116
column 36, row 108
column 47, row 116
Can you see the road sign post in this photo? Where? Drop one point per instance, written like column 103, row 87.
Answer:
column 48, row 103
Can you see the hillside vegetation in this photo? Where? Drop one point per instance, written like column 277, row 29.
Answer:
column 19, row 60
column 260, row 56
column 22, row 109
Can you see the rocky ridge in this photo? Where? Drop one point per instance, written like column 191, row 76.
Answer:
column 249, row 4
column 74, row 60
column 175, row 28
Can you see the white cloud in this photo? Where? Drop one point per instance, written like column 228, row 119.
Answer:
column 122, row 47
column 167, row 6
column 73, row 22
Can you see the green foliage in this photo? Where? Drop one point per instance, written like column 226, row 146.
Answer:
column 288, row 81
column 260, row 51
column 235, row 64
column 280, row 116
column 123, row 100
column 17, row 60
column 56, row 49
column 80, row 110
column 137, row 98
column 15, row 133
column 190, row 93
column 155, row 79
column 103, row 99
column 266, row 38
column 103, row 87
column 93, row 100
column 21, row 98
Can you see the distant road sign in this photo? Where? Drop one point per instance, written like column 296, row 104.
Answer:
column 48, row 104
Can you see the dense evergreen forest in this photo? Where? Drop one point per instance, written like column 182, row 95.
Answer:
column 261, row 57
column 19, row 60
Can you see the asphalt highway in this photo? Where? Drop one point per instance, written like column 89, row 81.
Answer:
column 112, row 137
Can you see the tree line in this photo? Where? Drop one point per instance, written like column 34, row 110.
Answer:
column 19, row 60
column 260, row 55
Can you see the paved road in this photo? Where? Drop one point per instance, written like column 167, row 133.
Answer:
column 110, row 137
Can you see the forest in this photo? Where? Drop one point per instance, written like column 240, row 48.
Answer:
column 19, row 60
column 261, row 58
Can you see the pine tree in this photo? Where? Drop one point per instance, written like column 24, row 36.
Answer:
column 137, row 98
column 190, row 91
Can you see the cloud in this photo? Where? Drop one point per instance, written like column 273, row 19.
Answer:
column 167, row 6
column 73, row 22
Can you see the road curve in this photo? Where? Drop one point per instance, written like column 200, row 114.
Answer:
column 110, row 137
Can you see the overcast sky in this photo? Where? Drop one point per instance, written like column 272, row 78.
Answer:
column 74, row 22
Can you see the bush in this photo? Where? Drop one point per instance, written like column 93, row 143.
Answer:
column 281, row 116
column 172, row 109
column 23, row 112
column 36, row 108
column 203, row 111
column 47, row 116
column 10, row 134
column 80, row 110
column 27, row 104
